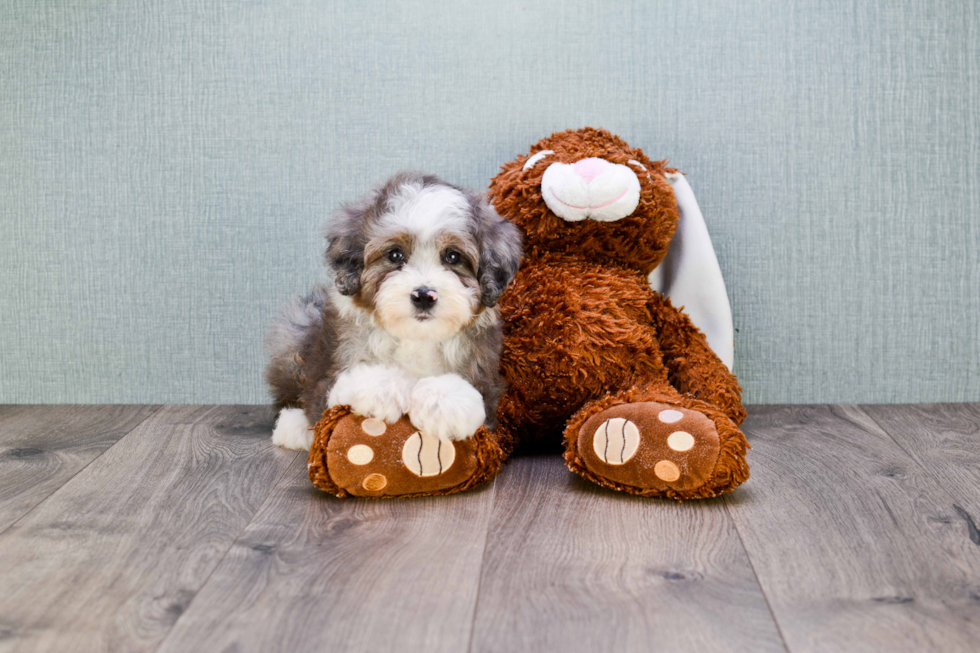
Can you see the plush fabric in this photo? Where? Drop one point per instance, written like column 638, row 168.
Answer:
column 587, row 340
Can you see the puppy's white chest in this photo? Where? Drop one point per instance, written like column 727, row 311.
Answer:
column 420, row 358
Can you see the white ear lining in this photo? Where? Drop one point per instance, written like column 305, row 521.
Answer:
column 690, row 276
column 533, row 159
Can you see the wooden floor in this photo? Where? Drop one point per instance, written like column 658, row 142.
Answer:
column 180, row 528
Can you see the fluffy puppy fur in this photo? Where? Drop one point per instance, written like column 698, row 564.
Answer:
column 410, row 324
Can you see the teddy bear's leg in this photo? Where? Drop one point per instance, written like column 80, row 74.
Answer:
column 356, row 456
column 653, row 441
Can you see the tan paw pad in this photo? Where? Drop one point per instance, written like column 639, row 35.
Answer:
column 427, row 455
column 360, row 454
column 680, row 441
column 670, row 416
column 374, row 427
column 667, row 471
column 374, row 482
column 616, row 441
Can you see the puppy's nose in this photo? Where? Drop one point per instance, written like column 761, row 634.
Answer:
column 423, row 298
column 589, row 169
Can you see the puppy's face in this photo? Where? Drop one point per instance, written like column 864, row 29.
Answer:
column 423, row 257
column 420, row 266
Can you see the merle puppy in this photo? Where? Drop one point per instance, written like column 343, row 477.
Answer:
column 409, row 324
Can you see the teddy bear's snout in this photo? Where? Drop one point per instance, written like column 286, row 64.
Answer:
column 590, row 188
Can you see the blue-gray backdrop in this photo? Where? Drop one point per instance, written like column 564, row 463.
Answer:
column 166, row 168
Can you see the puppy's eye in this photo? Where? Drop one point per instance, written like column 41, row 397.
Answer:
column 396, row 256
column 452, row 257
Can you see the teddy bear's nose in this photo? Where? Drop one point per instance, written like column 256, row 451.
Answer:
column 589, row 169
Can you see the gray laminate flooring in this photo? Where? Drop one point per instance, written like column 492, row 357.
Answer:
column 181, row 528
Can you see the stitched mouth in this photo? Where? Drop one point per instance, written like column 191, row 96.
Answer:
column 572, row 206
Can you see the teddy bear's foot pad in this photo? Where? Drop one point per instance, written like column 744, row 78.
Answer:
column 650, row 446
column 369, row 458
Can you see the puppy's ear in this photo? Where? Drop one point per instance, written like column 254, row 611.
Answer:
column 345, row 248
column 500, row 253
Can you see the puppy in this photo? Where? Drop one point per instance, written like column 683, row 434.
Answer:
column 409, row 324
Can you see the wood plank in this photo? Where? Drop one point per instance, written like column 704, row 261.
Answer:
column 573, row 567
column 316, row 573
column 41, row 447
column 945, row 440
column 856, row 546
column 110, row 560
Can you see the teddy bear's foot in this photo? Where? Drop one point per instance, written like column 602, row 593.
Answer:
column 658, row 449
column 367, row 457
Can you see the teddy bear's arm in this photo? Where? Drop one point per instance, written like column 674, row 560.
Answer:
column 692, row 366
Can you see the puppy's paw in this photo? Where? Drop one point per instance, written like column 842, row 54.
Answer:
column 292, row 430
column 374, row 391
column 447, row 407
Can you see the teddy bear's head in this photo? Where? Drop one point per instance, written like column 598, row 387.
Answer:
column 586, row 192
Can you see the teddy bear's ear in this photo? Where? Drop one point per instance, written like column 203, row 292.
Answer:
column 690, row 276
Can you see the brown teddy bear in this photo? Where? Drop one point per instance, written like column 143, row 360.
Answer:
column 591, row 353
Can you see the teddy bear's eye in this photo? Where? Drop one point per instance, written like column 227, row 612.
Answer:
column 537, row 157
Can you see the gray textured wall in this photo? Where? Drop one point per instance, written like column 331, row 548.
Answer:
column 166, row 167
